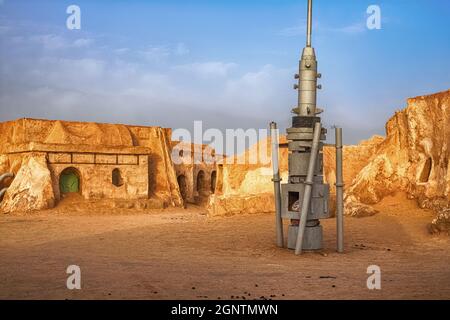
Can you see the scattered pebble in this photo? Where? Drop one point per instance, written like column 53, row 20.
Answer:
column 193, row 288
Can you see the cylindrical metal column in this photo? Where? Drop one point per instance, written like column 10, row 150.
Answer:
column 276, row 184
column 339, row 193
column 308, row 187
column 307, row 76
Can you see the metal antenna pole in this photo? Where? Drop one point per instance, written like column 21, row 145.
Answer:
column 309, row 24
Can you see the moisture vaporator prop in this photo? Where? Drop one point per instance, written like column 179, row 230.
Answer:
column 304, row 199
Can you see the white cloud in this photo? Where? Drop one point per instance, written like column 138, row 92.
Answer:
column 79, row 43
column 354, row 28
column 122, row 50
column 56, row 42
column 293, row 31
column 50, row 41
column 258, row 91
column 155, row 53
column 208, row 69
column 300, row 29
column 181, row 49
column 159, row 54
column 121, row 88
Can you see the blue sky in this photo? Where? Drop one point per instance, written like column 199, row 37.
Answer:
column 228, row 63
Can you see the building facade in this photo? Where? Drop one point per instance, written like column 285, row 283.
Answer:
column 196, row 170
column 98, row 161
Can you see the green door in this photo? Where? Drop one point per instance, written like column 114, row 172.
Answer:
column 69, row 182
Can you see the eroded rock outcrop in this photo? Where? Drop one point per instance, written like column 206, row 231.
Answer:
column 413, row 158
column 31, row 189
column 245, row 181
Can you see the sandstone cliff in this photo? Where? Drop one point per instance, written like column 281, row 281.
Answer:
column 245, row 181
column 413, row 158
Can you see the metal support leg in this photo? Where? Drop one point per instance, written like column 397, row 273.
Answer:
column 308, row 187
column 339, row 193
column 276, row 184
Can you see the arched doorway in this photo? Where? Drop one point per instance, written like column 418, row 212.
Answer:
column 200, row 181
column 213, row 181
column 183, row 186
column 69, row 181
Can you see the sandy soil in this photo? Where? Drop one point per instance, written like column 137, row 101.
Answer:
column 182, row 254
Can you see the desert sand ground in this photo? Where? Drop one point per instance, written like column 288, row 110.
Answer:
column 182, row 254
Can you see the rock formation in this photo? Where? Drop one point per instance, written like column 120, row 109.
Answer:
column 413, row 158
column 245, row 181
column 32, row 187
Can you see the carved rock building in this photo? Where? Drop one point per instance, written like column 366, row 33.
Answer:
column 50, row 159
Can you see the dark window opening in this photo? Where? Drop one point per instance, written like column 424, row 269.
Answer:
column 426, row 171
column 294, row 201
column 213, row 181
column 117, row 178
